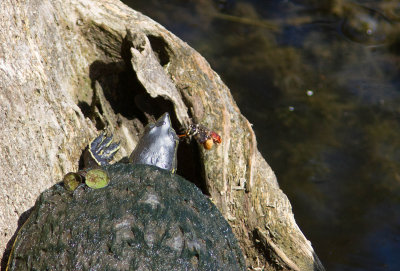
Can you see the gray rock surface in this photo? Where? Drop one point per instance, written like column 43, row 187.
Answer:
column 68, row 68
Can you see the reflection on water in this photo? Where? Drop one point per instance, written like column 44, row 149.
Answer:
column 320, row 82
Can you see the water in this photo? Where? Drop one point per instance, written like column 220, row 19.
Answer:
column 320, row 82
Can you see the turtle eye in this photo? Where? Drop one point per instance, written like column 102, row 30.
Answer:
column 163, row 120
column 161, row 123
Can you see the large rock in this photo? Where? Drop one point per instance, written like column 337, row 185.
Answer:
column 68, row 68
column 145, row 219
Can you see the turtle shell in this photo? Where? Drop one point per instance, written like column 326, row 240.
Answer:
column 145, row 219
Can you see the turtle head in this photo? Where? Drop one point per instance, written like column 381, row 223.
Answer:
column 157, row 146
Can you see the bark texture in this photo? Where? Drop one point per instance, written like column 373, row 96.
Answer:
column 69, row 68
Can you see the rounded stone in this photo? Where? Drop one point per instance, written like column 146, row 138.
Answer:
column 145, row 219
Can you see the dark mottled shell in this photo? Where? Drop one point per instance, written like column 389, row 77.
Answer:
column 145, row 219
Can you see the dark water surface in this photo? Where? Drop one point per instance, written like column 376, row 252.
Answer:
column 320, row 82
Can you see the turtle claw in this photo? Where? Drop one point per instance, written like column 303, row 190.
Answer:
column 102, row 149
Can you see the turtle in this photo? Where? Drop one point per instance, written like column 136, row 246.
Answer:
column 143, row 217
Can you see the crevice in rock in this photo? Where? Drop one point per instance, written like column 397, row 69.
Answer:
column 160, row 48
column 85, row 108
column 120, row 86
column 190, row 165
column 260, row 247
column 127, row 97
column 81, row 163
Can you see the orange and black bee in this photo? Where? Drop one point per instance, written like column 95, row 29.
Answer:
column 203, row 135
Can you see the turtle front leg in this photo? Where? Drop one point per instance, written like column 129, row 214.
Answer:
column 101, row 150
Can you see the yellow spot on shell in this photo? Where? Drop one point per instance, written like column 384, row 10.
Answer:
column 71, row 181
column 97, row 178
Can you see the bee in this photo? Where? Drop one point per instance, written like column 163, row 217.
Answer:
column 203, row 135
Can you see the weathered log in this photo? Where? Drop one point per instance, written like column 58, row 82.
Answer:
column 69, row 67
